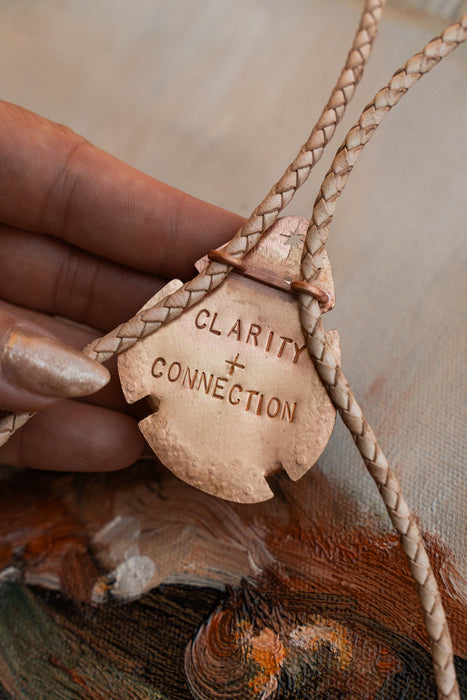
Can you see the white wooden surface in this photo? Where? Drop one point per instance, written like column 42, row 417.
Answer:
column 215, row 97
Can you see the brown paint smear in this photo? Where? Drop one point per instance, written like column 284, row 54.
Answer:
column 258, row 647
column 311, row 539
column 41, row 538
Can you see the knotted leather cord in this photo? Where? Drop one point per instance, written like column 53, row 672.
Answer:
column 320, row 350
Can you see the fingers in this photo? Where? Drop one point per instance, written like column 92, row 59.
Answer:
column 44, row 273
column 78, row 337
column 72, row 436
column 37, row 369
column 55, row 182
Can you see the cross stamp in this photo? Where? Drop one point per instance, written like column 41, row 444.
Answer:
column 234, row 364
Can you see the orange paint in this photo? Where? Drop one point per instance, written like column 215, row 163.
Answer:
column 268, row 653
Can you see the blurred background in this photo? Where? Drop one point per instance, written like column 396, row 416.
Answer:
column 215, row 97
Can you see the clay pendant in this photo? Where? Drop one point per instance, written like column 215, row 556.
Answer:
column 234, row 393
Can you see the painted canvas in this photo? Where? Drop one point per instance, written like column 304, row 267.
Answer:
column 135, row 585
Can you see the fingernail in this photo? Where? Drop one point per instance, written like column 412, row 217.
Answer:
column 46, row 366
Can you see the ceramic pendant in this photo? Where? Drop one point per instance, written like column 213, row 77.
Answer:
column 234, row 393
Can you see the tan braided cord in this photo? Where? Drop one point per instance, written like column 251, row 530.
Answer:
column 267, row 212
column 141, row 325
column 331, row 373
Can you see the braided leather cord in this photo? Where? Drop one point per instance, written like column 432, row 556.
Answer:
column 145, row 323
column 331, row 373
column 267, row 212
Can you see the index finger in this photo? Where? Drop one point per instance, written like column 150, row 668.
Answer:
column 56, row 182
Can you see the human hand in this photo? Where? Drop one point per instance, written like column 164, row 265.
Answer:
column 83, row 238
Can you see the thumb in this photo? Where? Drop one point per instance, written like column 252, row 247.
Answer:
column 37, row 369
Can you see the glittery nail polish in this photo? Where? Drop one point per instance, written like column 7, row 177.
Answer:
column 46, row 366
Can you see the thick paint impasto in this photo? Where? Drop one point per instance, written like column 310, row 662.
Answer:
column 134, row 585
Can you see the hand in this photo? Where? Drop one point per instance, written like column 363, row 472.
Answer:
column 83, row 238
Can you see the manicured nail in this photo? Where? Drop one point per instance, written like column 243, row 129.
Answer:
column 46, row 366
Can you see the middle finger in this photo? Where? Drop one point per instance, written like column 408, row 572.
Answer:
column 48, row 275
